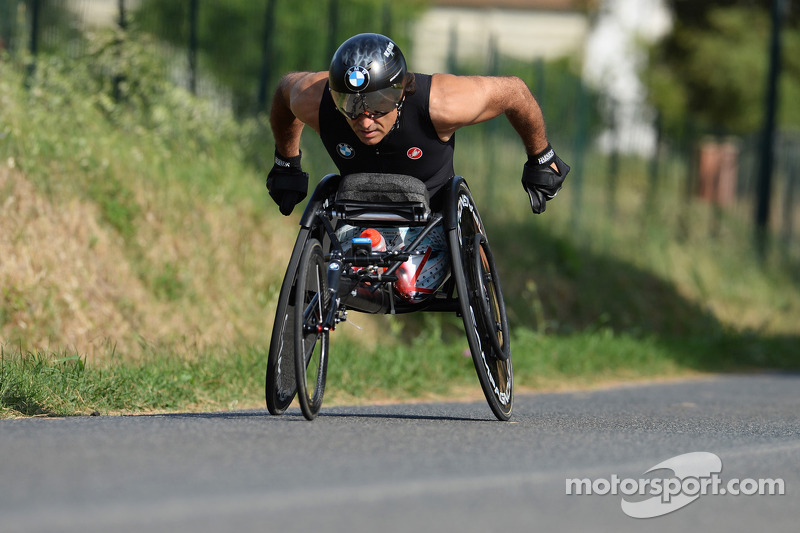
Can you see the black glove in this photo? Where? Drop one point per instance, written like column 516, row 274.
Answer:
column 287, row 183
column 540, row 180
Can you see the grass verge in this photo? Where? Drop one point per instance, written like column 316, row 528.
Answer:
column 62, row 384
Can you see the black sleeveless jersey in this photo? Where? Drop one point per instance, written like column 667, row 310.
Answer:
column 412, row 148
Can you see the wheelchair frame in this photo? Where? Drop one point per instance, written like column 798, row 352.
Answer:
column 313, row 297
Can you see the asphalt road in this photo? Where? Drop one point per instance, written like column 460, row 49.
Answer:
column 430, row 467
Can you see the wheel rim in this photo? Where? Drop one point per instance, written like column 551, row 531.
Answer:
column 313, row 337
column 286, row 384
column 311, row 340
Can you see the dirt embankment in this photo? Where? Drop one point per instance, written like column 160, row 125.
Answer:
column 69, row 282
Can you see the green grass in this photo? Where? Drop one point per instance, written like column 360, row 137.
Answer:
column 62, row 384
column 59, row 384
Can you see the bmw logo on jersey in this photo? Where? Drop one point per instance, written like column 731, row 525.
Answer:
column 345, row 150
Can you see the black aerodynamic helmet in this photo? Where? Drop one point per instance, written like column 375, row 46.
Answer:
column 367, row 75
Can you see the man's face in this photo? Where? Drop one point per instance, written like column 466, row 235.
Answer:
column 371, row 131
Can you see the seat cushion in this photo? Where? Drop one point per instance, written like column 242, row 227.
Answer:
column 382, row 189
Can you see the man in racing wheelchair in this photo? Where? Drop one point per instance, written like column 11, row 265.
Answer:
column 375, row 117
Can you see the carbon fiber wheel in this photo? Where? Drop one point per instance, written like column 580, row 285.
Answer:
column 281, row 384
column 312, row 303
column 482, row 307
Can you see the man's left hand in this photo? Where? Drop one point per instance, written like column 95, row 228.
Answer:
column 542, row 178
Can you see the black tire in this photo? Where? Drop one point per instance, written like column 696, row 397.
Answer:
column 281, row 384
column 495, row 372
column 312, row 303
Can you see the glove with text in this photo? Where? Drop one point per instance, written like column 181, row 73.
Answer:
column 540, row 180
column 287, row 183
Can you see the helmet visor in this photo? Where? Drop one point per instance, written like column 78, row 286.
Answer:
column 372, row 104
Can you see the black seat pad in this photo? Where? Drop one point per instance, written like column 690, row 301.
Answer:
column 382, row 189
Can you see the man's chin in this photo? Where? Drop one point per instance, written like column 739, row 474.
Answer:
column 370, row 140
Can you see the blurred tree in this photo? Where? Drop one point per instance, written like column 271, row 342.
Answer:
column 231, row 34
column 713, row 66
column 8, row 19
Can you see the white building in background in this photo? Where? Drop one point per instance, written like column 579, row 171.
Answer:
column 614, row 58
column 100, row 13
column 608, row 43
column 523, row 29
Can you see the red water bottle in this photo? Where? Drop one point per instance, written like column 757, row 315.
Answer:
column 378, row 242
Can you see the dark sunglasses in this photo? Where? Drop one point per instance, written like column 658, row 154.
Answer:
column 373, row 104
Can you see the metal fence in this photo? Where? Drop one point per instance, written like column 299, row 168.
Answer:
column 603, row 138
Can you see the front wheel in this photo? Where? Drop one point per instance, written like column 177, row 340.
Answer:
column 312, row 302
column 281, row 385
column 482, row 307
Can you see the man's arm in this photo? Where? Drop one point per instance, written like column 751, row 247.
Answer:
column 458, row 101
column 295, row 104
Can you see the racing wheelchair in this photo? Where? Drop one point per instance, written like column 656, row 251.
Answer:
column 328, row 276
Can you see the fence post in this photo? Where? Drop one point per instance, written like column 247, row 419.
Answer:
column 387, row 19
column 791, row 167
column 579, row 152
column 690, row 154
column 768, row 140
column 452, row 49
column 333, row 29
column 193, row 13
column 654, row 169
column 540, row 82
column 123, row 19
column 490, row 130
column 267, row 45
column 613, row 158
column 119, row 76
column 8, row 20
column 34, row 42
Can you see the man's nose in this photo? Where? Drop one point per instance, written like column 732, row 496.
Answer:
column 364, row 119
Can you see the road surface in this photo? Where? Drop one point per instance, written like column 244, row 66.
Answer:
column 427, row 467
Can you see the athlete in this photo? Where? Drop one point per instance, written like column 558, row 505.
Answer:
column 374, row 116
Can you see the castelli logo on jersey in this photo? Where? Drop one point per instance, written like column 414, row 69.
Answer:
column 414, row 153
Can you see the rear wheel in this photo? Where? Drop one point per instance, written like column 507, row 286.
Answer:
column 482, row 307
column 311, row 305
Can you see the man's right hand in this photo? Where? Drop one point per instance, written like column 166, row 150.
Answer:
column 287, row 183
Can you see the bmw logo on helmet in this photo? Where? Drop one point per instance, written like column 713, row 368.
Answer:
column 345, row 150
column 357, row 78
